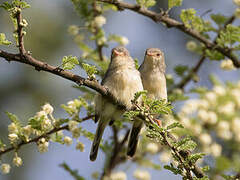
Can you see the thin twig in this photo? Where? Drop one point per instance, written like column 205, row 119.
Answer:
column 20, row 33
column 56, row 129
column 196, row 68
column 170, row 22
column 116, row 158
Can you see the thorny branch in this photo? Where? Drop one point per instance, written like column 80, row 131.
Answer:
column 181, row 155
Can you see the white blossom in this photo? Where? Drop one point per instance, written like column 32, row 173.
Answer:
column 235, row 93
column 101, row 40
column 76, row 133
column 41, row 114
column 216, row 149
column 27, row 130
column 152, row 148
column 43, row 145
column 99, row 21
column 203, row 103
column 212, row 117
column 165, row 157
column 47, row 108
column 205, row 138
column 118, row 176
column 191, row 45
column 13, row 137
column 227, row 65
column 211, row 97
column 46, row 124
column 17, row 161
column 186, row 122
column 226, row 134
column 5, row 168
column 141, row 175
column 124, row 41
column 73, row 30
column 227, row 109
column 190, row 106
column 223, row 126
column 236, row 125
column 219, row 90
column 80, row 146
column 237, row 2
column 203, row 115
column 72, row 125
column 197, row 129
column 12, row 128
column 237, row 137
column 237, row 13
column 67, row 140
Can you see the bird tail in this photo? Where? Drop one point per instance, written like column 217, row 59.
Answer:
column 97, row 139
column 134, row 136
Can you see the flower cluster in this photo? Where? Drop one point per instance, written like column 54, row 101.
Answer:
column 212, row 119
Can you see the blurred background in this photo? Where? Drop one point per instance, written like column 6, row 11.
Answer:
column 23, row 90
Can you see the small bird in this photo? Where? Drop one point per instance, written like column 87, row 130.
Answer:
column 122, row 80
column 153, row 78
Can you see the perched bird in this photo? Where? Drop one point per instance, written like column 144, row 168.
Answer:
column 122, row 80
column 153, row 78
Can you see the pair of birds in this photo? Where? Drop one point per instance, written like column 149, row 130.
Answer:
column 123, row 80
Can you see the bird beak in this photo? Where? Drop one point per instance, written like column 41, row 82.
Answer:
column 116, row 53
column 149, row 54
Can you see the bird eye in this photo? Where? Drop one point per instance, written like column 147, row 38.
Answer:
column 158, row 54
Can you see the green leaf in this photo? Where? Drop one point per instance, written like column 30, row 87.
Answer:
column 148, row 163
column 69, row 62
column 73, row 173
column 174, row 125
column 173, row 3
column 3, row 40
column 186, row 144
column 14, row 119
column 222, row 164
column 214, row 55
column 206, row 168
column 146, row 3
column 180, row 70
column 219, row 19
column 21, row 4
column 149, row 3
column 187, row 15
column 36, row 122
column 2, row 145
column 90, row 70
column 193, row 158
column 83, row 9
column 138, row 94
column 173, row 169
column 229, row 36
column 136, row 63
column 57, row 137
column 6, row 6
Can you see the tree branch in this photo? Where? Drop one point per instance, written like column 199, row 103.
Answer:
column 164, row 18
column 195, row 69
column 20, row 32
column 56, row 129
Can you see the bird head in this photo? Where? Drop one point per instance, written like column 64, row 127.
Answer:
column 120, row 51
column 154, row 57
